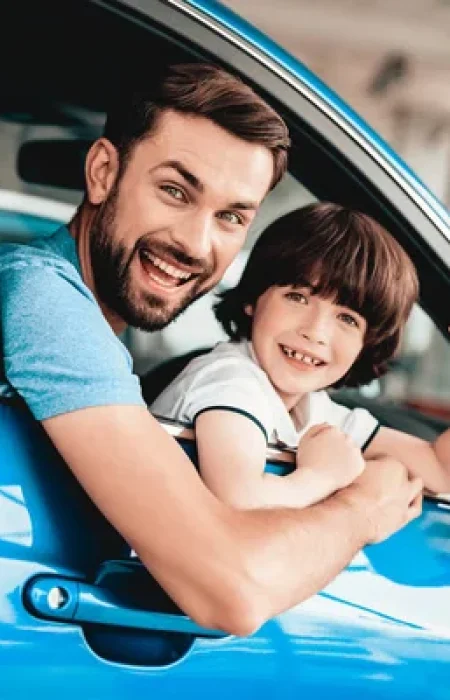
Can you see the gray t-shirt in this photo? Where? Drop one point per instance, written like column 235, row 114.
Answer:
column 58, row 352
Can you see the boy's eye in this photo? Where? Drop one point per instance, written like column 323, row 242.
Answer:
column 174, row 192
column 349, row 320
column 297, row 297
column 231, row 217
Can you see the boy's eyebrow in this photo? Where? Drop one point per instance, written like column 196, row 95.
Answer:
column 194, row 181
column 306, row 285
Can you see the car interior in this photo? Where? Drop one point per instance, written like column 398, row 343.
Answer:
column 52, row 108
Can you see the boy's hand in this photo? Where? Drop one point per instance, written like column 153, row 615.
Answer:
column 330, row 455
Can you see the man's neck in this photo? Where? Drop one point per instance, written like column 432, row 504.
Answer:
column 80, row 229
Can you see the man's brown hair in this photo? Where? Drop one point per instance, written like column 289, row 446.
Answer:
column 344, row 255
column 201, row 90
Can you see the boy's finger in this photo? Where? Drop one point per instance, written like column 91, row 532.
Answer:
column 415, row 507
column 316, row 429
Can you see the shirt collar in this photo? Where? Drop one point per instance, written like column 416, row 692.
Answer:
column 63, row 244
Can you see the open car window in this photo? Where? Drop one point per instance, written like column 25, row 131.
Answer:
column 36, row 105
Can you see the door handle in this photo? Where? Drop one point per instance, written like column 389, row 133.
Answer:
column 68, row 600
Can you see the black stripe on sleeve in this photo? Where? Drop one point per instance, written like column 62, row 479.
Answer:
column 371, row 437
column 233, row 409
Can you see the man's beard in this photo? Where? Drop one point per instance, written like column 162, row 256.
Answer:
column 111, row 269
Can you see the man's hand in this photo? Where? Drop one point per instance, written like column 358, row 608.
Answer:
column 388, row 495
column 330, row 456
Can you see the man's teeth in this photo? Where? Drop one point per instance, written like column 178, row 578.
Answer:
column 160, row 281
column 165, row 267
column 298, row 356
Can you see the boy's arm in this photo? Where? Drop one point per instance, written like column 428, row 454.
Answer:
column 231, row 451
column 429, row 461
column 232, row 457
column 441, row 448
column 225, row 568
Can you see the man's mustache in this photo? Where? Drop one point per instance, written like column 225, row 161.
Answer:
column 201, row 266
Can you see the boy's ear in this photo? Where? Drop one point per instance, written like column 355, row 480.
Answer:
column 248, row 309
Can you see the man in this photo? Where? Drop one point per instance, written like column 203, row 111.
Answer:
column 171, row 190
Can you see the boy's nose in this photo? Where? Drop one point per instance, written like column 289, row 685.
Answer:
column 316, row 328
column 313, row 337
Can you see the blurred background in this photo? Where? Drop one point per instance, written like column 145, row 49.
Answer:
column 389, row 59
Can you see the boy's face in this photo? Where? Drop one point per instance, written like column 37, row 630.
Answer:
column 302, row 341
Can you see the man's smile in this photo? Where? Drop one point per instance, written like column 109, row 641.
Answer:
column 169, row 275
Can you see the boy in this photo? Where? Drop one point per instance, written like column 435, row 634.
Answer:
column 322, row 303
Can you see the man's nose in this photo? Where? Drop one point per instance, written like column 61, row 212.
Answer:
column 196, row 236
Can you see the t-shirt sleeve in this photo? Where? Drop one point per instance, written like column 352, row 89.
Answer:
column 59, row 352
column 358, row 423
column 219, row 384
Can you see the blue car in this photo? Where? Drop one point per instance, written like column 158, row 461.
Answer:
column 79, row 615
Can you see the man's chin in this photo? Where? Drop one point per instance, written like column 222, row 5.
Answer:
column 149, row 312
column 155, row 318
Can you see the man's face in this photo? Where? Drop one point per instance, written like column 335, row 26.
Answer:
column 175, row 220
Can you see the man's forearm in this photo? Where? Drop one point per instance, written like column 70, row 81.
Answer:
column 292, row 554
column 264, row 562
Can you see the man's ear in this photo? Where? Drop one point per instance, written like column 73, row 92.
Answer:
column 101, row 168
column 248, row 309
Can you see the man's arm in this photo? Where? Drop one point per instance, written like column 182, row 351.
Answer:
column 225, row 568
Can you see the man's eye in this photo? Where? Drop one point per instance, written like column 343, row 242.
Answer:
column 297, row 297
column 174, row 192
column 231, row 217
column 349, row 320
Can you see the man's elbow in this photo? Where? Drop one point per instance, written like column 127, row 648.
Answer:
column 238, row 613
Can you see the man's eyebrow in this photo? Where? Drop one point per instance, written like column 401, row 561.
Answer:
column 199, row 186
column 249, row 206
column 184, row 172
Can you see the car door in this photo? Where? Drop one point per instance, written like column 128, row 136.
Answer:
column 381, row 628
column 78, row 614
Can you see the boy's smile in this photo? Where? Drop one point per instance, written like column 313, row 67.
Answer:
column 302, row 358
column 302, row 341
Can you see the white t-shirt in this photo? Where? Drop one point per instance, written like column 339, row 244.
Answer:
column 229, row 378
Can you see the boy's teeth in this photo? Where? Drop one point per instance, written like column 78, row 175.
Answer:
column 298, row 356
